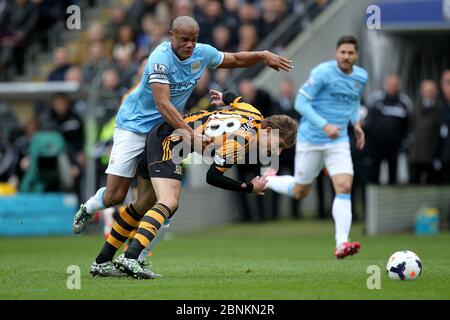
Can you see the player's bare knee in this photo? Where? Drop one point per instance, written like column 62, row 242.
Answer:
column 170, row 201
column 113, row 197
column 344, row 187
column 300, row 193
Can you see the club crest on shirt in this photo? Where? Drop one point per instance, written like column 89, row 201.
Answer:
column 357, row 84
column 178, row 170
column 195, row 66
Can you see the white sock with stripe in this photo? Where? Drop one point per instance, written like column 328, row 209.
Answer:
column 96, row 201
column 281, row 184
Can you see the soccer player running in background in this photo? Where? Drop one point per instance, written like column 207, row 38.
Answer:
column 172, row 71
column 328, row 100
column 240, row 134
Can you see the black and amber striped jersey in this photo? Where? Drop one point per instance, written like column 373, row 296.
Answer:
column 232, row 129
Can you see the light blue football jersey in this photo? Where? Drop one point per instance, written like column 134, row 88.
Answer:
column 138, row 111
column 335, row 98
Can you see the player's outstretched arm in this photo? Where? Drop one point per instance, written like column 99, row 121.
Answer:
column 245, row 59
column 216, row 178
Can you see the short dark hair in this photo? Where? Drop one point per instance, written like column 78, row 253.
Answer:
column 347, row 39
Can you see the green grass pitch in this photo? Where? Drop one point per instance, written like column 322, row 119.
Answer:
column 281, row 260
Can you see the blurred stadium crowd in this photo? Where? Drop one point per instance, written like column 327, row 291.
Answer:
column 113, row 52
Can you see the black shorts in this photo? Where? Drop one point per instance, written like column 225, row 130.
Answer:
column 156, row 160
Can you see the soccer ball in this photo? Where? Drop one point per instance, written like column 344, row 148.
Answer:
column 404, row 265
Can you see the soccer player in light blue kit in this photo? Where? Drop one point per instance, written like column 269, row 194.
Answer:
column 170, row 75
column 328, row 101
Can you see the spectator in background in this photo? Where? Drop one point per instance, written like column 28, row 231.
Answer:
column 256, row 97
column 199, row 4
column 387, row 127
column 97, row 62
column 50, row 11
column 248, row 37
column 8, row 158
column 61, row 61
column 125, row 41
column 8, row 121
column 273, row 13
column 22, row 145
column 284, row 102
column 118, row 18
column 220, row 78
column 95, row 34
column 221, row 38
column 158, row 34
column 182, row 8
column 231, row 18
column 443, row 147
column 75, row 74
column 60, row 117
column 144, row 39
column 111, row 91
column 126, row 67
column 19, row 18
column 424, row 133
column 248, row 14
column 211, row 16
column 141, row 8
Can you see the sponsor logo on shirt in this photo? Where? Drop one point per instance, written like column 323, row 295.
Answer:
column 182, row 85
column 344, row 97
column 249, row 125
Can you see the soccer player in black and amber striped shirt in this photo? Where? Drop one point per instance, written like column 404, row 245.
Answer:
column 239, row 134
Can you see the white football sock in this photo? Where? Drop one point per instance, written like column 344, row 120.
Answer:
column 159, row 236
column 342, row 215
column 96, row 201
column 281, row 184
